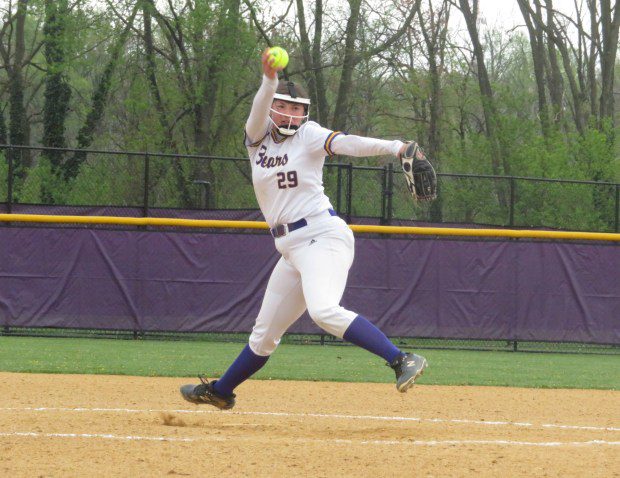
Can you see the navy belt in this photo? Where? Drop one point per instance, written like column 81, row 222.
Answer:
column 283, row 229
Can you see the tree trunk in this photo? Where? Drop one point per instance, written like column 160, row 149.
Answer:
column 486, row 92
column 352, row 58
column 57, row 90
column 223, row 45
column 19, row 129
column 595, row 39
column 167, row 141
column 181, row 66
column 577, row 94
column 554, row 74
column 610, row 24
column 321, row 89
column 71, row 168
column 434, row 34
column 19, row 126
column 555, row 36
column 306, row 56
column 538, row 57
column 339, row 121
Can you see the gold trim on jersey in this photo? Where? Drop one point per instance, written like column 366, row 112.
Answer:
column 255, row 144
column 278, row 138
column 328, row 142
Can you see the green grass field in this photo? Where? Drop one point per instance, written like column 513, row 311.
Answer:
column 304, row 362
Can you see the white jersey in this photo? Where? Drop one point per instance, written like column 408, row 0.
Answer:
column 287, row 171
column 287, row 174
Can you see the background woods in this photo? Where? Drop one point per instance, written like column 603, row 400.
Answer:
column 178, row 76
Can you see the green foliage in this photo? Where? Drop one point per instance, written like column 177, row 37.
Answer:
column 594, row 154
column 172, row 179
column 107, row 180
column 206, row 67
column 40, row 185
column 233, row 176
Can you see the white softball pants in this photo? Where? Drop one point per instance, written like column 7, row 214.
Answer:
column 311, row 274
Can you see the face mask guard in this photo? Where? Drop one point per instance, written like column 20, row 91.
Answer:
column 289, row 129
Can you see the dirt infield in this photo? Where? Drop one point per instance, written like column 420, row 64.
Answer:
column 77, row 425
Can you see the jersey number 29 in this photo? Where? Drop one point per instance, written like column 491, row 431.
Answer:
column 288, row 180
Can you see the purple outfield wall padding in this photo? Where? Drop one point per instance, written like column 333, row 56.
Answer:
column 420, row 287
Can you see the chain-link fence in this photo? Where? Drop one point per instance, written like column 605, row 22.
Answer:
column 65, row 181
column 126, row 183
column 320, row 339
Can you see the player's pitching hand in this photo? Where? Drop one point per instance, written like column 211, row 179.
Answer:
column 270, row 71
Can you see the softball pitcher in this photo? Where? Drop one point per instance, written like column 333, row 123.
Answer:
column 287, row 153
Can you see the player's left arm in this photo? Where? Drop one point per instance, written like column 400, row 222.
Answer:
column 319, row 140
column 418, row 171
column 361, row 146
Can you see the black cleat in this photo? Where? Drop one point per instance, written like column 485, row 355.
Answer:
column 408, row 368
column 204, row 393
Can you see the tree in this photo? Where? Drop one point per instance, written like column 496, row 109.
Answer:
column 57, row 89
column 610, row 24
column 342, row 100
column 351, row 57
column 167, row 141
column 499, row 162
column 435, row 35
column 552, row 67
column 99, row 100
column 537, row 45
column 14, row 62
column 311, row 56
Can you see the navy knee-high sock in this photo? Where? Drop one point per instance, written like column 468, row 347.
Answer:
column 244, row 366
column 366, row 335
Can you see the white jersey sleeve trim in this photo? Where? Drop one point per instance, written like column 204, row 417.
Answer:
column 352, row 145
column 257, row 125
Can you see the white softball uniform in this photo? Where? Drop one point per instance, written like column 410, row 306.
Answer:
column 287, row 174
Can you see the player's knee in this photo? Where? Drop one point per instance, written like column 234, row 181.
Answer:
column 321, row 314
column 263, row 344
column 333, row 319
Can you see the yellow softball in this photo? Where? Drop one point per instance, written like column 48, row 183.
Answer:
column 279, row 56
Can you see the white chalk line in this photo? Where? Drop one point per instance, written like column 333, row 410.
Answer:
column 317, row 415
column 339, row 441
column 105, row 436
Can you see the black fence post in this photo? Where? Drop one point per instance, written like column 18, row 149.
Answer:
column 147, row 167
column 512, row 201
column 386, row 196
column 390, row 192
column 383, row 219
column 339, row 190
column 617, row 207
column 349, row 192
column 9, row 198
column 206, row 185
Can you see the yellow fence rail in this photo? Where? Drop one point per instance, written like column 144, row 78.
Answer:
column 221, row 224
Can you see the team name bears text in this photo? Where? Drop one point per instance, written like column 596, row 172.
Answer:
column 269, row 161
